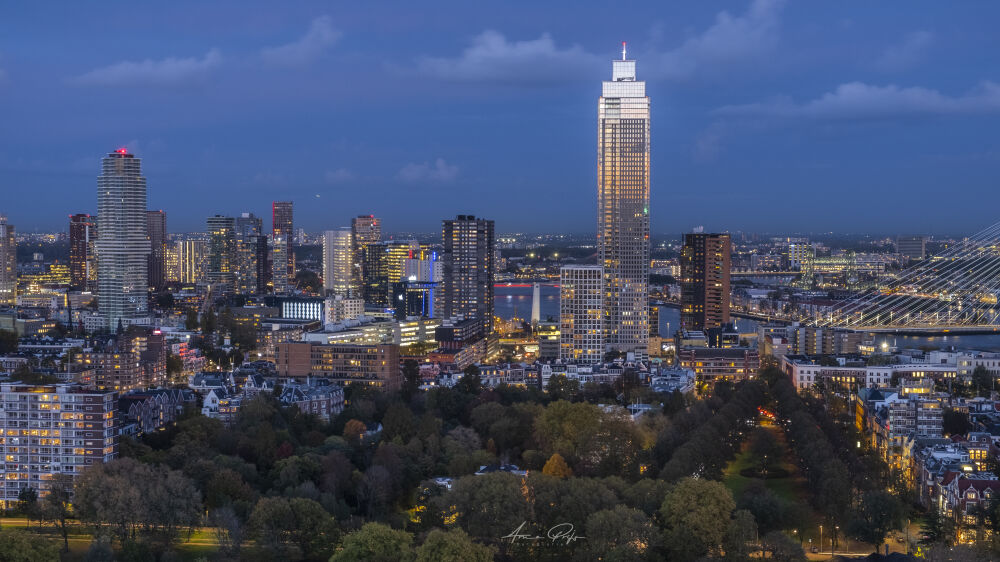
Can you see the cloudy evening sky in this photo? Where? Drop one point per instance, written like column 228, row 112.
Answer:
column 767, row 115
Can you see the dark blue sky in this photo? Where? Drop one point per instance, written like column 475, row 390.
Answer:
column 767, row 115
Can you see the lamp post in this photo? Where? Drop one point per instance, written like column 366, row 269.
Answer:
column 836, row 531
column 821, row 538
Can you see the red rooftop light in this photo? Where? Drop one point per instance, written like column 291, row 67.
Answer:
column 122, row 150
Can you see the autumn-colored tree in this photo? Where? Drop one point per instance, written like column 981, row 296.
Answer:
column 353, row 431
column 556, row 466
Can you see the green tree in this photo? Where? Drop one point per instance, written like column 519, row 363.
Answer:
column 954, row 422
column 411, row 379
column 22, row 546
column 877, row 513
column 191, row 319
column 621, row 534
column 133, row 499
column 765, row 450
column 376, row 542
column 740, row 536
column 453, row 546
column 8, row 342
column 55, row 506
column 568, row 428
column 562, row 388
column 291, row 528
column 470, row 383
column 982, row 380
column 696, row 514
column 488, row 503
column 208, row 322
column 781, row 548
column 937, row 528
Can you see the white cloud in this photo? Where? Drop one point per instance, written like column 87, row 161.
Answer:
column 169, row 71
column 339, row 175
column 492, row 58
column 857, row 100
column 907, row 53
column 320, row 36
column 438, row 172
column 731, row 39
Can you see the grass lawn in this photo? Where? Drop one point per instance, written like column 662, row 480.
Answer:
column 200, row 544
column 790, row 488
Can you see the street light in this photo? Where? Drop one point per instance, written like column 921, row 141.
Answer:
column 821, row 538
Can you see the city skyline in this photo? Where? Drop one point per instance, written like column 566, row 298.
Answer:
column 756, row 109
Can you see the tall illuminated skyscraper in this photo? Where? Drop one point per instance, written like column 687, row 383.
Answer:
column 122, row 245
column 156, row 231
column 283, row 226
column 8, row 264
column 338, row 261
column 469, row 269
column 623, row 207
column 221, row 250
column 365, row 230
column 82, row 235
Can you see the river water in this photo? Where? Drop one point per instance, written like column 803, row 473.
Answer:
column 511, row 301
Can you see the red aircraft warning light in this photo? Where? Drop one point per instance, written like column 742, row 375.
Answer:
column 122, row 150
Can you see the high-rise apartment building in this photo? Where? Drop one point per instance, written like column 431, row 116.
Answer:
column 122, row 243
column 469, row 269
column 705, row 268
column 283, row 226
column 365, row 230
column 156, row 231
column 52, row 429
column 8, row 264
column 252, row 271
column 82, row 235
column 221, row 250
column 280, row 248
column 338, row 261
column 581, row 314
column 192, row 260
column 623, row 207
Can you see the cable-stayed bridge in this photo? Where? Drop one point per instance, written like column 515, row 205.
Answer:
column 955, row 291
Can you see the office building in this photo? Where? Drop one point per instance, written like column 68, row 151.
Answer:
column 468, row 269
column 705, row 269
column 800, row 255
column 375, row 365
column 623, row 207
column 383, row 266
column 221, row 251
column 156, row 231
column 8, row 264
column 122, row 243
column 412, row 298
column 82, row 235
column 581, row 314
column 365, row 230
column 70, row 429
column 912, row 247
column 338, row 262
column 283, row 227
